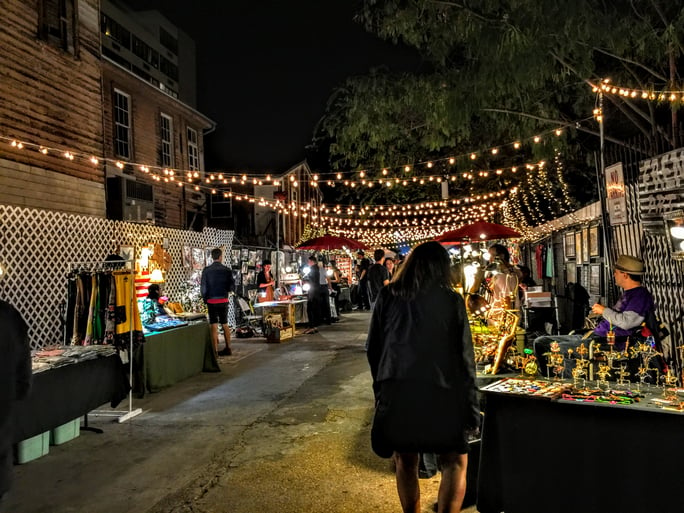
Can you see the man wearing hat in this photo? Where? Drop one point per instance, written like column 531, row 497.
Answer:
column 624, row 318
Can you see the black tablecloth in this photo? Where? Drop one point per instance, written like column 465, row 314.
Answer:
column 541, row 456
column 67, row 393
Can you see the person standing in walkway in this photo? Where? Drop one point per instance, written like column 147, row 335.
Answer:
column 313, row 308
column 362, row 275
column 15, row 382
column 335, row 282
column 378, row 277
column 422, row 363
column 324, row 292
column 389, row 265
column 504, row 282
column 216, row 285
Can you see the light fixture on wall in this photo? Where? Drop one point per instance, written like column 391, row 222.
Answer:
column 157, row 276
column 677, row 232
column 674, row 230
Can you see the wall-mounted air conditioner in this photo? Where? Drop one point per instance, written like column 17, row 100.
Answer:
column 130, row 200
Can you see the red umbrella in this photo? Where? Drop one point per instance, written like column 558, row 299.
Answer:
column 479, row 230
column 328, row 242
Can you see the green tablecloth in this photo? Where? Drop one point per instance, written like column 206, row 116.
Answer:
column 174, row 355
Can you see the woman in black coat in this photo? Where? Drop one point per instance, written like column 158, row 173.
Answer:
column 421, row 357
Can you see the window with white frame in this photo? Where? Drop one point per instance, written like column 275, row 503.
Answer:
column 122, row 124
column 166, row 136
column 193, row 150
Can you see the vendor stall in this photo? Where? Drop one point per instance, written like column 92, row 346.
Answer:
column 545, row 450
column 170, row 356
column 285, row 311
column 68, row 392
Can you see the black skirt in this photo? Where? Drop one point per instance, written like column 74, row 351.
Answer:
column 418, row 417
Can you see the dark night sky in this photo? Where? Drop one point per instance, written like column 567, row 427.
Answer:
column 267, row 68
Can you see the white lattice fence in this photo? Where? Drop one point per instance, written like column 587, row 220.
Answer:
column 38, row 248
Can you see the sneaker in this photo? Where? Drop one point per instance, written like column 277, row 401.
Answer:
column 225, row 352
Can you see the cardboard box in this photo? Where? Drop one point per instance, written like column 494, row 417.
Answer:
column 530, row 295
column 32, row 448
column 539, row 303
column 538, row 299
column 66, row 432
column 275, row 335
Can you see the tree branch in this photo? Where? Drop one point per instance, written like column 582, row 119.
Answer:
column 666, row 23
column 477, row 15
column 619, row 105
column 630, row 61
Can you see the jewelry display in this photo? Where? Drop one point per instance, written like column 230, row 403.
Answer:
column 623, row 373
column 646, row 353
column 603, row 373
column 554, row 360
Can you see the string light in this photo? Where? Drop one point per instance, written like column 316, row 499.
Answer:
column 425, row 216
column 644, row 94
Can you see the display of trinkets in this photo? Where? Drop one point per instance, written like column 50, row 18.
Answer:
column 554, row 361
column 526, row 363
column 529, row 387
column 671, row 399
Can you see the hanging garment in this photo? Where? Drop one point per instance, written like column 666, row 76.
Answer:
column 70, row 306
column 110, row 312
column 88, row 339
column 539, row 259
column 100, row 307
column 127, row 314
column 550, row 271
column 81, row 308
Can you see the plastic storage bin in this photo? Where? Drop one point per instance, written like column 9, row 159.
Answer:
column 32, row 448
column 65, row 432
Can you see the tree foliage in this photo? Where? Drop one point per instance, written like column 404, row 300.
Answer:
column 498, row 71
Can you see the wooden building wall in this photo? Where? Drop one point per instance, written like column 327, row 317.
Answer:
column 52, row 98
column 147, row 104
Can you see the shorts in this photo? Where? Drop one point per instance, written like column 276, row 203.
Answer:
column 218, row 313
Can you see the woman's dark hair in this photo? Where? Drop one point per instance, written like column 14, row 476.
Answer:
column 426, row 266
column 502, row 252
column 266, row 262
column 153, row 291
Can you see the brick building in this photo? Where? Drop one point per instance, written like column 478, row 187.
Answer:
column 83, row 80
column 51, row 100
column 149, row 98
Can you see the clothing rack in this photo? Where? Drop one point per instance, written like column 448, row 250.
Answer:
column 116, row 265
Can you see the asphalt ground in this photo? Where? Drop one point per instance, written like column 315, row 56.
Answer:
column 283, row 428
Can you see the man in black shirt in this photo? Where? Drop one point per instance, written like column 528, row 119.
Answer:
column 378, row 277
column 217, row 284
column 362, row 269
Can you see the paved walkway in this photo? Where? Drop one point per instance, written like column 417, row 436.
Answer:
column 283, row 428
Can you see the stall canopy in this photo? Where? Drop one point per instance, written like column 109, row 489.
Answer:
column 479, row 230
column 329, row 242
